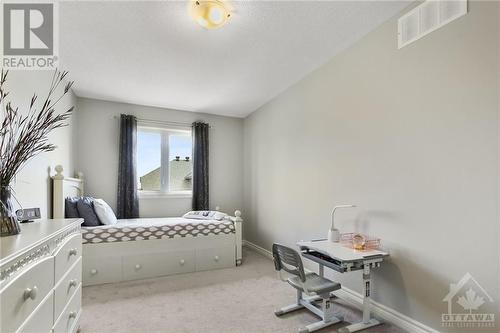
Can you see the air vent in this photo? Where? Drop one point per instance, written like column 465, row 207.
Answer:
column 427, row 17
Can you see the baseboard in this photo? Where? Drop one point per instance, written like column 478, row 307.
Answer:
column 379, row 310
column 384, row 312
column 258, row 249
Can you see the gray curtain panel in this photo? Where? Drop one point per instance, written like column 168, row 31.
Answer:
column 127, row 201
column 200, row 166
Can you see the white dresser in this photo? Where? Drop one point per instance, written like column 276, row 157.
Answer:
column 40, row 278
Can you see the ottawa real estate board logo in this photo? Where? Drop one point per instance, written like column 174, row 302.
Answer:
column 467, row 302
column 29, row 34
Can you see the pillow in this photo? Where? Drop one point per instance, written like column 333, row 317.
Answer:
column 219, row 216
column 85, row 208
column 104, row 212
column 70, row 209
column 205, row 215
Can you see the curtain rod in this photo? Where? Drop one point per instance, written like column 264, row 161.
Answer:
column 163, row 122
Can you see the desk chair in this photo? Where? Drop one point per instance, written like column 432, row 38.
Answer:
column 289, row 260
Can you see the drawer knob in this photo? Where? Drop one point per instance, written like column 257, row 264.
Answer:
column 138, row 266
column 30, row 293
column 72, row 314
column 93, row 271
column 216, row 258
column 73, row 252
column 72, row 283
column 182, row 262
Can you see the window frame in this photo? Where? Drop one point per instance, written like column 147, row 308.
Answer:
column 165, row 133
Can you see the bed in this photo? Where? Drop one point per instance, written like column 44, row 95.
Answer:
column 150, row 247
column 155, row 228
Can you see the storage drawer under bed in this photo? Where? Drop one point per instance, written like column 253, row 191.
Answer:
column 102, row 269
column 215, row 258
column 140, row 259
column 157, row 264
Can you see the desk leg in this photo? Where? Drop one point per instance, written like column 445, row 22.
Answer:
column 366, row 294
column 367, row 321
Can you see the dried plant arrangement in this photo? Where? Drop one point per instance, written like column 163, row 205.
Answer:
column 24, row 135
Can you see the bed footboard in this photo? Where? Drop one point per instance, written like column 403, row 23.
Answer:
column 239, row 232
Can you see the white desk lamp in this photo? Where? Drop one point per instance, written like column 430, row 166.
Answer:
column 334, row 234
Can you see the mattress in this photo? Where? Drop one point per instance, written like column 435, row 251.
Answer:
column 154, row 228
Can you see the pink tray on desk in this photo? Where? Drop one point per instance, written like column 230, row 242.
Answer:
column 371, row 243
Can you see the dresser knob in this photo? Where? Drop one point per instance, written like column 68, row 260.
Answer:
column 30, row 293
column 72, row 314
column 216, row 258
column 93, row 271
column 73, row 252
column 182, row 262
column 138, row 266
column 72, row 283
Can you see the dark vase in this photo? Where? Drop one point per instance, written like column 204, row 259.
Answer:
column 8, row 219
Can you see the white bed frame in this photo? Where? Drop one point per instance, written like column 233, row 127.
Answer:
column 122, row 261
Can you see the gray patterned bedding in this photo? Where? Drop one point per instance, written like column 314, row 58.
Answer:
column 155, row 228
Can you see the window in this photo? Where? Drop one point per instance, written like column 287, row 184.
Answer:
column 164, row 161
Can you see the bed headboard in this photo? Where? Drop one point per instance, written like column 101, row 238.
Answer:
column 63, row 187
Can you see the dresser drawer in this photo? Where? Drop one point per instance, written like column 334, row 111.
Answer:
column 41, row 320
column 23, row 294
column 223, row 257
column 97, row 270
column 70, row 317
column 66, row 287
column 157, row 264
column 67, row 255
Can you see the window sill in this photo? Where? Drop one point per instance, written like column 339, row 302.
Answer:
column 161, row 195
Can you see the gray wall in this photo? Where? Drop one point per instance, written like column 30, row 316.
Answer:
column 98, row 134
column 411, row 136
column 33, row 185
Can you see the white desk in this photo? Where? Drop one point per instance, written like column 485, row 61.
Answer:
column 344, row 260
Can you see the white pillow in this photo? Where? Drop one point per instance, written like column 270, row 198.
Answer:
column 205, row 215
column 104, row 212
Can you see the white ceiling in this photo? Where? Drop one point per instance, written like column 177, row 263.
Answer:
column 152, row 53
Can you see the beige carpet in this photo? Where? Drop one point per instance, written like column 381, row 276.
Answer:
column 240, row 299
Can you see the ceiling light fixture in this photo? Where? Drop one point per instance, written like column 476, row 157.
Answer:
column 210, row 14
